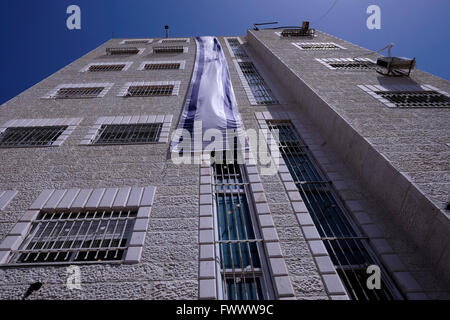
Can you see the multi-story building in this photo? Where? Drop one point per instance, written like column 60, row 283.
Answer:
column 89, row 190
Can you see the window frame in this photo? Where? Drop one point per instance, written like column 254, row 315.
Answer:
column 53, row 94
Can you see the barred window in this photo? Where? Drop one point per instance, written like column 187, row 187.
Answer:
column 168, row 49
column 149, row 91
column 128, row 133
column 76, row 237
column 352, row 65
column 136, row 41
column 318, row 46
column 239, row 243
column 237, row 48
column 78, row 92
column 348, row 249
column 30, row 136
column 173, row 40
column 122, row 51
column 416, row 99
column 106, row 67
column 260, row 90
column 162, row 66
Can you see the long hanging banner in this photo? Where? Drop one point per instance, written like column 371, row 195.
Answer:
column 211, row 108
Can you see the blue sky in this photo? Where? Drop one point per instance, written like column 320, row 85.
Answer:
column 36, row 42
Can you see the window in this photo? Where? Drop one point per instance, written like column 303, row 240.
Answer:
column 77, row 237
column 409, row 96
column 30, row 136
column 318, row 46
column 125, row 133
column 236, row 48
column 110, row 67
column 123, row 51
column 147, row 91
column 161, row 66
column 348, row 64
column 259, row 91
column 416, row 99
column 239, row 245
column 150, row 89
column 136, row 41
column 348, row 249
column 174, row 40
column 73, row 93
column 70, row 226
column 169, row 49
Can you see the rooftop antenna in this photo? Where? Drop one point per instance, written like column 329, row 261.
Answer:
column 262, row 24
column 167, row 31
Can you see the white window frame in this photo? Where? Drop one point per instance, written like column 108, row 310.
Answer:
column 71, row 124
column 176, row 86
column 326, row 61
column 106, row 87
column 230, row 50
column 143, row 64
column 126, row 64
column 299, row 46
column 165, row 120
column 124, row 41
column 185, row 49
column 187, row 40
column 5, row 197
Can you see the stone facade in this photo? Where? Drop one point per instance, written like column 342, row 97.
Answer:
column 347, row 131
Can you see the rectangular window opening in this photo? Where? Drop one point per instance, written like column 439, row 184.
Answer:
column 168, row 49
column 30, row 136
column 128, row 133
column 150, row 91
column 122, row 51
column 261, row 92
column 416, row 99
column 237, row 48
column 162, row 66
column 78, row 92
column 106, row 67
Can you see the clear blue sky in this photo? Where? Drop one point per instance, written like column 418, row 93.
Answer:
column 36, row 42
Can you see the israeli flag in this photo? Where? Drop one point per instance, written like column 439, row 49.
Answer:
column 210, row 108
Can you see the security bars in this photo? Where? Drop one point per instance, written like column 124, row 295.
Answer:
column 143, row 41
column 122, row 51
column 168, row 49
column 162, row 66
column 237, row 240
column 149, row 91
column 76, row 237
column 128, row 133
column 348, row 249
column 106, row 67
column 416, row 99
column 318, row 46
column 353, row 65
column 260, row 90
column 30, row 136
column 237, row 48
column 173, row 40
column 78, row 93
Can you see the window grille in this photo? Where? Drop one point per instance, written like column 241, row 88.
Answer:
column 149, row 91
column 106, row 67
column 122, row 51
column 288, row 33
column 237, row 48
column 76, row 237
column 318, row 46
column 80, row 92
column 347, row 248
column 238, row 241
column 30, row 136
column 168, row 49
column 138, row 41
column 416, row 99
column 173, row 40
column 353, row 65
column 128, row 133
column 261, row 92
column 162, row 66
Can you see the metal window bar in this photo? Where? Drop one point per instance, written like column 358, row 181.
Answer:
column 173, row 40
column 354, row 65
column 128, row 133
column 319, row 46
column 348, row 249
column 122, row 51
column 239, row 244
column 168, row 49
column 30, row 136
column 261, row 92
column 150, row 91
column 416, row 99
column 106, row 67
column 161, row 66
column 71, row 237
column 299, row 32
column 237, row 48
column 136, row 41
column 78, row 93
